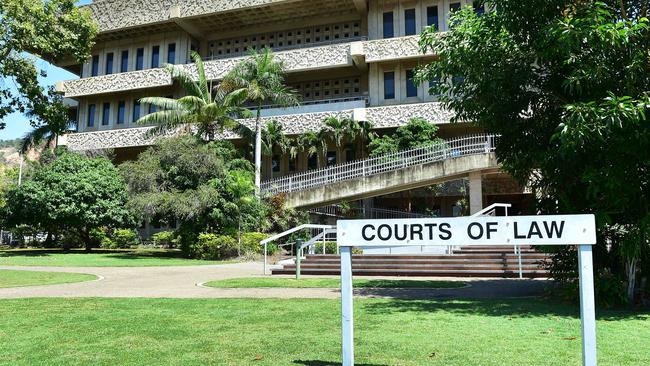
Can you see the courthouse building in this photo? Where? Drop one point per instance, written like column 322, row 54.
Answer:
column 346, row 58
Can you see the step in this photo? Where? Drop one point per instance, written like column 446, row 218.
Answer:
column 420, row 273
column 427, row 257
column 422, row 267
column 407, row 262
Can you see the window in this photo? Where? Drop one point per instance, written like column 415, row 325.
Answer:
column 350, row 154
column 109, row 63
column 95, row 66
column 432, row 17
column 389, row 85
column 155, row 56
column 389, row 30
column 312, row 162
column 411, row 88
column 292, row 164
column 139, row 59
column 433, row 84
column 331, row 158
column 454, row 6
column 152, row 108
column 106, row 114
column 136, row 110
column 171, row 53
column 124, row 65
column 91, row 115
column 275, row 163
column 121, row 110
column 409, row 22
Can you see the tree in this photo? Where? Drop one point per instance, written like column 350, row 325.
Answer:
column 57, row 124
column 259, row 80
column 72, row 194
column 205, row 109
column 565, row 84
column 273, row 136
column 50, row 30
column 361, row 130
column 314, row 143
column 241, row 191
column 416, row 133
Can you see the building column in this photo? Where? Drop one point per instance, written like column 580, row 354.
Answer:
column 475, row 192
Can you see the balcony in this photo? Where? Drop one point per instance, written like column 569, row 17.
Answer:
column 317, row 106
column 389, row 49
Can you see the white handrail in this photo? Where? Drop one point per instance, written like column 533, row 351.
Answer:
column 265, row 242
column 487, row 210
column 463, row 146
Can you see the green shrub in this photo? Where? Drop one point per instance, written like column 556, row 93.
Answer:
column 166, row 238
column 250, row 244
column 213, row 246
column 125, row 238
column 330, row 247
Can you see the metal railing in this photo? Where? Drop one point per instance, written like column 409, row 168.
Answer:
column 464, row 146
column 295, row 46
column 319, row 102
column 366, row 213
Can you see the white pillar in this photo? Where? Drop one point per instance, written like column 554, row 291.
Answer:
column 475, row 192
column 347, row 309
column 587, row 305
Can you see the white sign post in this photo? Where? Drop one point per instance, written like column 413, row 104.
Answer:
column 579, row 230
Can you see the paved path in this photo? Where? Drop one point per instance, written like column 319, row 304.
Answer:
column 184, row 282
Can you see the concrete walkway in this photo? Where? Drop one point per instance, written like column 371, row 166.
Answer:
column 185, row 282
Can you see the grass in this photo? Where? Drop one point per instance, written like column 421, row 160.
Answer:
column 266, row 282
column 307, row 332
column 9, row 278
column 98, row 258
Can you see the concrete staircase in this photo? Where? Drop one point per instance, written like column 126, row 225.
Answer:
column 494, row 262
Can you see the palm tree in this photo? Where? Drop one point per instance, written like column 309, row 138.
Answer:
column 205, row 109
column 336, row 129
column 259, row 80
column 362, row 130
column 273, row 136
column 57, row 124
column 314, row 143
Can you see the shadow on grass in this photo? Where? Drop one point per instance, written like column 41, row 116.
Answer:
column 508, row 308
column 328, row 363
column 120, row 254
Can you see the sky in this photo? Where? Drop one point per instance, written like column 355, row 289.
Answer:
column 17, row 124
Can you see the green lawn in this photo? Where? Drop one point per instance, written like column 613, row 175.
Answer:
column 307, row 332
column 10, row 278
column 98, row 258
column 266, row 282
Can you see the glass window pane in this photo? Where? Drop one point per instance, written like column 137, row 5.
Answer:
column 109, row 63
column 155, row 56
column 409, row 22
column 95, row 66
column 171, row 53
column 136, row 111
column 432, row 17
column 389, row 30
column 312, row 162
column 91, row 115
column 124, row 66
column 121, row 109
column 139, row 59
column 106, row 114
column 331, row 158
column 389, row 85
column 411, row 88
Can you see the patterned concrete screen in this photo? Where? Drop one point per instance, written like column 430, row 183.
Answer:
column 579, row 230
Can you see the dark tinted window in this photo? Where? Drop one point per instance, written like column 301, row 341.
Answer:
column 409, row 22
column 95, row 66
column 155, row 56
column 312, row 162
column 136, row 111
column 139, row 59
column 479, row 8
column 171, row 53
column 432, row 17
column 331, row 158
column 121, row 110
column 124, row 65
column 275, row 162
column 411, row 88
column 109, row 63
column 91, row 115
column 389, row 29
column 152, row 108
column 106, row 114
column 389, row 85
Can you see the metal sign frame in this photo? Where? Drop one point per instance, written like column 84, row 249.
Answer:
column 573, row 230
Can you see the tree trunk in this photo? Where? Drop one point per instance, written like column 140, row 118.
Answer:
column 239, row 236
column 630, row 268
column 258, row 151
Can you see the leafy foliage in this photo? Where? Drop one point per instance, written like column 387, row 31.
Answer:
column 50, row 30
column 415, row 134
column 72, row 194
column 565, row 83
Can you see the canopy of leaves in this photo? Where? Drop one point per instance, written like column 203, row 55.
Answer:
column 50, row 30
column 73, row 193
column 566, row 83
column 416, row 133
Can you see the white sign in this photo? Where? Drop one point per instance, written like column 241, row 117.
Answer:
column 485, row 230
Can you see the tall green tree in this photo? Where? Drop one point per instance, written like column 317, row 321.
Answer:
column 47, row 29
column 260, row 80
column 416, row 133
column 72, row 194
column 566, row 85
column 203, row 111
